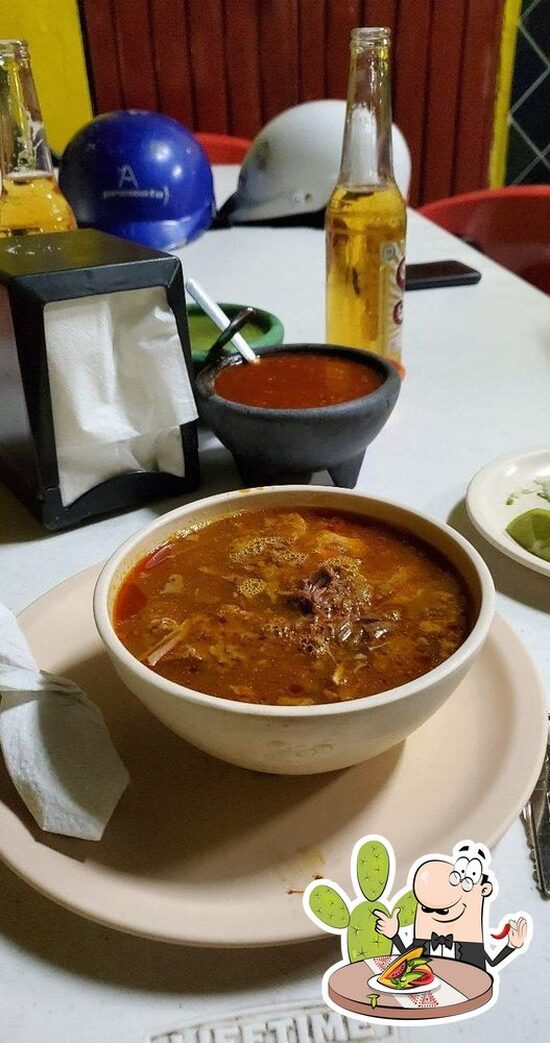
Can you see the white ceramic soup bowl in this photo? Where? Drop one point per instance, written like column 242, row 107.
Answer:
column 296, row 740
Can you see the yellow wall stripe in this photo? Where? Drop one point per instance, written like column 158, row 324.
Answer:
column 52, row 29
column 499, row 148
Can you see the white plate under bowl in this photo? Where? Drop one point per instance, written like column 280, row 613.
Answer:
column 203, row 853
column 377, row 986
column 487, row 495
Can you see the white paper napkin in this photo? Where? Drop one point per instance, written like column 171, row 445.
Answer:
column 55, row 743
column 119, row 387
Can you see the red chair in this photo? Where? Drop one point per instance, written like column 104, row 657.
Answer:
column 511, row 225
column 222, row 148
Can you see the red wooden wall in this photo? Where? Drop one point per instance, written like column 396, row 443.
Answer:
column 231, row 65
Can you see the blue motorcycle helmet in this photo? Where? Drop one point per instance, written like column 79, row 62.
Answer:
column 141, row 176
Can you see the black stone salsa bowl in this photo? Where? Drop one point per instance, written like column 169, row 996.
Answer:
column 287, row 446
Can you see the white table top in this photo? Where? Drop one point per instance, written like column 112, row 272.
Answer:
column 478, row 370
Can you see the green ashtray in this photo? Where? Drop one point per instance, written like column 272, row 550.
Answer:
column 263, row 331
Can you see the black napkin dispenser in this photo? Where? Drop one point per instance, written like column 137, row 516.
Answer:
column 73, row 266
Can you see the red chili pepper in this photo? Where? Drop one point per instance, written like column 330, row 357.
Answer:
column 503, row 933
column 156, row 557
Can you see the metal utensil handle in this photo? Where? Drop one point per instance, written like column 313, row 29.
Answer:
column 219, row 318
column 240, row 319
column 536, row 818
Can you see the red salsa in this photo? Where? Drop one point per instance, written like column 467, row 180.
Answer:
column 296, row 381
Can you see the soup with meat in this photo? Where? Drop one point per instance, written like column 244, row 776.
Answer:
column 292, row 608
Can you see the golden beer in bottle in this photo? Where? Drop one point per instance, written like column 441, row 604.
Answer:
column 30, row 199
column 366, row 216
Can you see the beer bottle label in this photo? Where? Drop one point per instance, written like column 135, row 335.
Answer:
column 28, row 147
column 390, row 303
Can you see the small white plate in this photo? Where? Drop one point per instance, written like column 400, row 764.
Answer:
column 490, row 489
column 374, row 984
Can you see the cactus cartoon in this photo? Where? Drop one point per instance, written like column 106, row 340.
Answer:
column 422, row 974
column 330, row 907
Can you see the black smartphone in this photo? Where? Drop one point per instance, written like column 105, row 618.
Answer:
column 433, row 274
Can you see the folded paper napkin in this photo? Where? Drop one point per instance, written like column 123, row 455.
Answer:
column 119, row 387
column 55, row 743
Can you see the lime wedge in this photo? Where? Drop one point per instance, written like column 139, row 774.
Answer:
column 532, row 531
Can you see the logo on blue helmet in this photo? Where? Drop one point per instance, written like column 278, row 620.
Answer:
column 139, row 175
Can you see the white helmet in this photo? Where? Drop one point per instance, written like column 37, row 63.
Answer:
column 292, row 165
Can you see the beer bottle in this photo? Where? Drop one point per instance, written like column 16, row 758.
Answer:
column 366, row 217
column 30, row 199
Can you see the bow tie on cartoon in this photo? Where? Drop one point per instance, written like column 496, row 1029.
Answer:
column 441, row 939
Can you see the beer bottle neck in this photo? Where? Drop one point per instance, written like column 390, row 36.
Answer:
column 24, row 150
column 367, row 148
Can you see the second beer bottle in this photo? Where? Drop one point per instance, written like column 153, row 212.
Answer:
column 366, row 216
column 30, row 198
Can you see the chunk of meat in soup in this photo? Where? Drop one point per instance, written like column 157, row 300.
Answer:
column 292, row 607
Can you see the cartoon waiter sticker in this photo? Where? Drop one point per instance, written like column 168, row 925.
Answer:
column 427, row 959
column 449, row 921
